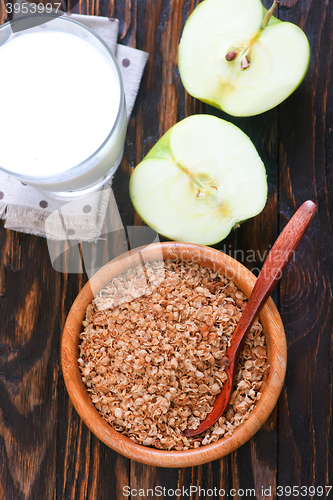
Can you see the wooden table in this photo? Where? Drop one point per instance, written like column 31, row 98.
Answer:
column 46, row 450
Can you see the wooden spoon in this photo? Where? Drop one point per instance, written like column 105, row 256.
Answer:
column 277, row 260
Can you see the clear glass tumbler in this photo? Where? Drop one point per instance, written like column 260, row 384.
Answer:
column 55, row 173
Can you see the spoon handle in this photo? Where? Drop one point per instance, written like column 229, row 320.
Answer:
column 278, row 258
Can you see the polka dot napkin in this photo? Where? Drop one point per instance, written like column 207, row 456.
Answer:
column 28, row 210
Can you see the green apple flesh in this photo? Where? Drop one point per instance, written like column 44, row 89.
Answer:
column 269, row 58
column 199, row 180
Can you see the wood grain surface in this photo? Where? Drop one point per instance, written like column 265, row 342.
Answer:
column 46, row 451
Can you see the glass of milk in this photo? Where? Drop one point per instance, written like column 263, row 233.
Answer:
column 63, row 113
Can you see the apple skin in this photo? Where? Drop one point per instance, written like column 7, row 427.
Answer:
column 218, row 155
column 235, row 96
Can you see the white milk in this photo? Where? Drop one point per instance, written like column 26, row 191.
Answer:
column 60, row 97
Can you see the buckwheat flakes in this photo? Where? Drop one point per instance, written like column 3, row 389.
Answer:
column 150, row 348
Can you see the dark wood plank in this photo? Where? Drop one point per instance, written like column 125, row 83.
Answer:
column 306, row 290
column 3, row 13
column 29, row 367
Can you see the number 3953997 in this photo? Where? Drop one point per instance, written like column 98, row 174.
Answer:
column 32, row 8
column 303, row 491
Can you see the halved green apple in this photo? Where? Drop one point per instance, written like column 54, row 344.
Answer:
column 236, row 56
column 199, row 180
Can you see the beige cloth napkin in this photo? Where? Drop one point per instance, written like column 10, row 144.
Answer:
column 28, row 210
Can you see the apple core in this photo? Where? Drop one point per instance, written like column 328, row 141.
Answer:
column 193, row 185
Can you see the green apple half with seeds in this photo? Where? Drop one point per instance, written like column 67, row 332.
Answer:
column 236, row 56
column 199, row 180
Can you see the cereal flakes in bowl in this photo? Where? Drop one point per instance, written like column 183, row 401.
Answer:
column 141, row 354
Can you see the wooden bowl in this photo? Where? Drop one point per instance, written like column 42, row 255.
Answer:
column 276, row 356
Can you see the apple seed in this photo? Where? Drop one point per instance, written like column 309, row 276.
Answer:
column 245, row 63
column 231, row 55
column 200, row 194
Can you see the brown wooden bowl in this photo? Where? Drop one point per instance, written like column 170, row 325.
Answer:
column 276, row 356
